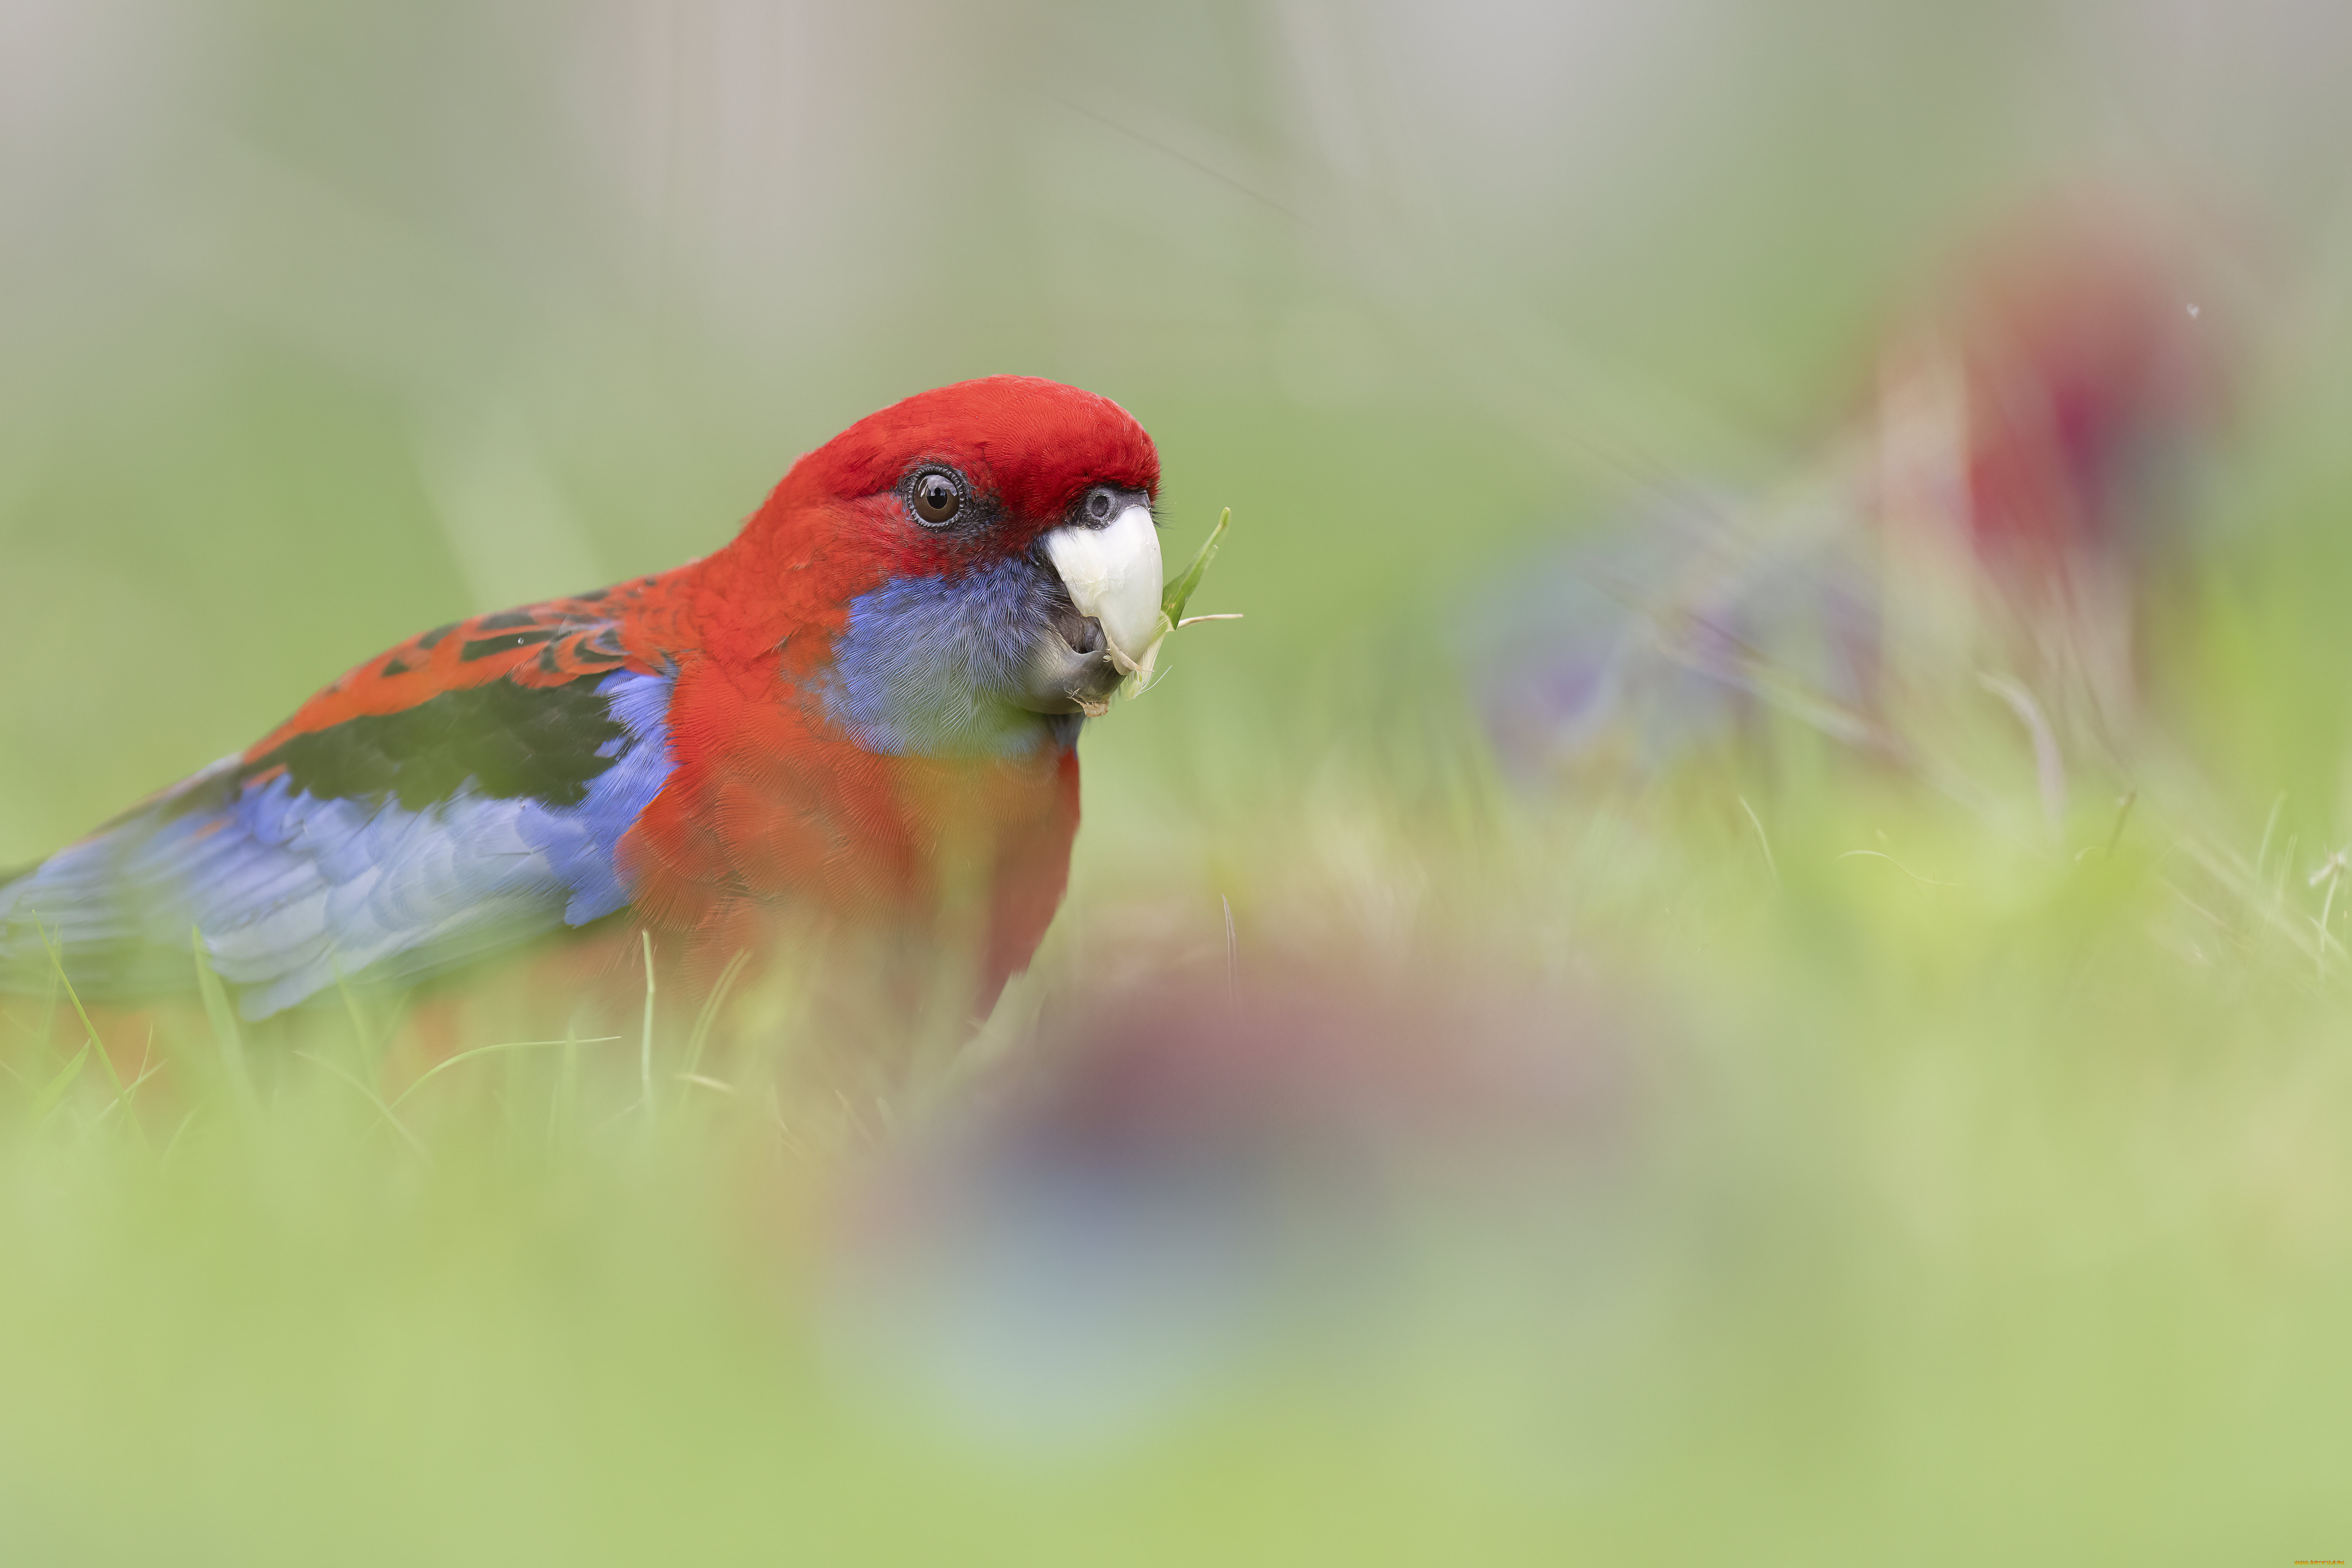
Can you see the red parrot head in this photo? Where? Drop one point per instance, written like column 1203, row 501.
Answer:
column 2081, row 371
column 964, row 572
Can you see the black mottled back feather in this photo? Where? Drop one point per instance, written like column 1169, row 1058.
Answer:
column 544, row 742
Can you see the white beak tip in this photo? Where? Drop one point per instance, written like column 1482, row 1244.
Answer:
column 1112, row 574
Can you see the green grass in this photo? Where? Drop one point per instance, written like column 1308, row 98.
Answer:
column 1978, row 1194
column 1986, row 1199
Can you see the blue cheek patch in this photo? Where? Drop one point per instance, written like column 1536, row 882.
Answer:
column 931, row 666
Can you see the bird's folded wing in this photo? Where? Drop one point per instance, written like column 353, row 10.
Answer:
column 365, row 838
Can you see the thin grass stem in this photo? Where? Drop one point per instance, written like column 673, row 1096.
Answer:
column 391, row 1119
column 437, row 1068
column 645, row 1046
column 223, row 1019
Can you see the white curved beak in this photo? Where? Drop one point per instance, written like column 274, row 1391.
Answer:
column 1113, row 574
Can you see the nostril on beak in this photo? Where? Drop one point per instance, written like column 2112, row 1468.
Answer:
column 1085, row 636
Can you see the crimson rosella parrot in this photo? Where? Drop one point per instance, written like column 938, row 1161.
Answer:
column 862, row 711
column 2000, row 514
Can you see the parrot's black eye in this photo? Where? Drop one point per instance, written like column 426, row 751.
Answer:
column 936, row 497
column 1099, row 502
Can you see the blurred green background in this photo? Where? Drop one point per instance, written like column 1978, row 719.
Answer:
column 1989, row 1208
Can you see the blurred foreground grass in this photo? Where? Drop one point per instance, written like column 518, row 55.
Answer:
column 1978, row 1198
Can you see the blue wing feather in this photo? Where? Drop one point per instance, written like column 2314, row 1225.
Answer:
column 289, row 889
